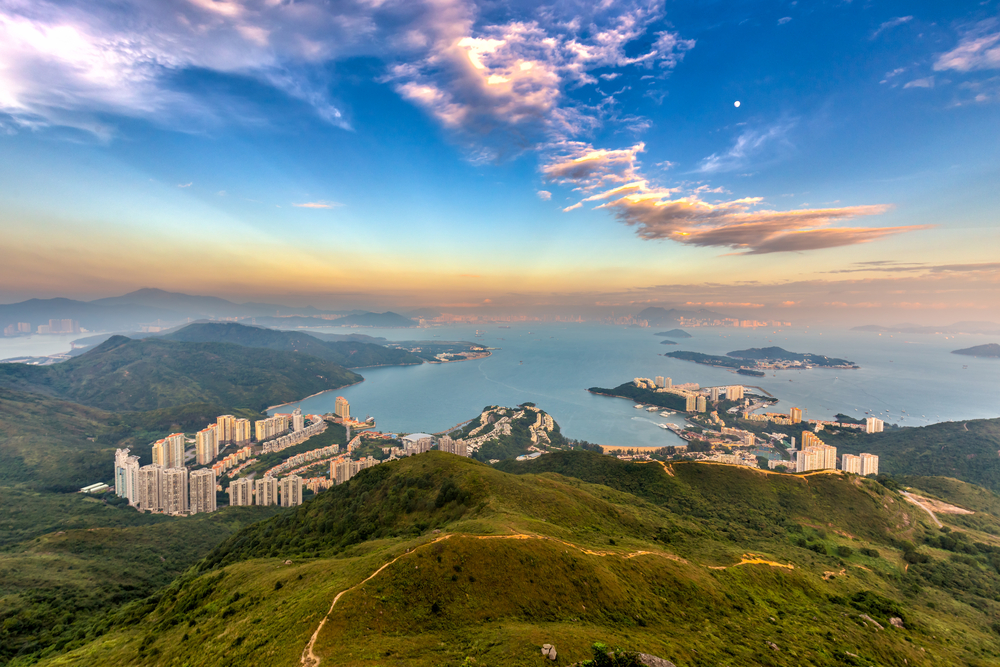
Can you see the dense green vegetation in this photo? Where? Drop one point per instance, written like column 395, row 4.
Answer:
column 641, row 395
column 349, row 354
column 701, row 564
column 781, row 354
column 708, row 359
column 66, row 560
column 137, row 375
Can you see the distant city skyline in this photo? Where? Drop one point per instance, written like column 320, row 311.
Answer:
column 508, row 158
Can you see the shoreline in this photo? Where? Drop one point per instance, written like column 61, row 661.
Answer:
column 281, row 405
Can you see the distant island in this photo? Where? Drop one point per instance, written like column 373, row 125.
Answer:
column 987, row 350
column 989, row 328
column 668, row 342
column 674, row 333
column 387, row 320
column 771, row 358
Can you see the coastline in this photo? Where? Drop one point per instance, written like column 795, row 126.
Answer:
column 281, row 405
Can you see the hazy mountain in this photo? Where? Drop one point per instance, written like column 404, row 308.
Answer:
column 991, row 328
column 189, row 305
column 674, row 333
column 347, row 353
column 92, row 316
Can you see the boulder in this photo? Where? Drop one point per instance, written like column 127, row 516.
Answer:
column 896, row 622
column 652, row 661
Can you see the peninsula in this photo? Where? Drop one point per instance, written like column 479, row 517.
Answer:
column 770, row 358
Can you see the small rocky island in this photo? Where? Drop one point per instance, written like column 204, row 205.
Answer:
column 770, row 358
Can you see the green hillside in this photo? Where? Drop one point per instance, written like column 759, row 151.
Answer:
column 349, row 354
column 440, row 560
column 139, row 375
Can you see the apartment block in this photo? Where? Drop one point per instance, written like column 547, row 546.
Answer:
column 202, row 483
column 241, row 492
column 266, row 491
column 291, row 491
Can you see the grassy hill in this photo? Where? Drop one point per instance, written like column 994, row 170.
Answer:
column 440, row 560
column 139, row 375
column 349, row 354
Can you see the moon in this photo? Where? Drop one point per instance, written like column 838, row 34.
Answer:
column 736, row 104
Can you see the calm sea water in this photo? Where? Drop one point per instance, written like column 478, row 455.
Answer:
column 905, row 379
column 909, row 380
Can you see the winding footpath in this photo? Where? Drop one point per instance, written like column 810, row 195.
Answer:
column 310, row 659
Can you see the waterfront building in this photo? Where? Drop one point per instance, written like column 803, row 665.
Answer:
column 126, row 475
column 795, row 415
column 715, row 392
column 660, row 382
column 150, row 484
column 291, row 491
column 266, row 491
column 873, row 425
column 734, row 393
column 691, row 402
column 342, row 408
column 298, row 421
column 869, row 464
column 850, row 463
column 241, row 492
column 202, row 485
column 701, row 405
column 206, row 445
column 174, row 493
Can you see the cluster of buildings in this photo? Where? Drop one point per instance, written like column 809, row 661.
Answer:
column 303, row 459
column 695, row 399
column 297, row 436
column 53, row 327
column 817, row 455
column 495, row 422
column 286, row 492
column 161, row 489
column 730, row 322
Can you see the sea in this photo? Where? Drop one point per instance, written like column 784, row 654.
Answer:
column 905, row 379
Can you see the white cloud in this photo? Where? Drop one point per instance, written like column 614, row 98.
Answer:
column 978, row 49
column 783, row 20
column 748, row 145
column 185, row 185
column 318, row 204
column 891, row 23
column 572, row 208
column 544, row 195
column 927, row 82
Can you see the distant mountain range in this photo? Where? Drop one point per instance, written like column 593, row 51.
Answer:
column 657, row 316
column 159, row 308
column 991, row 328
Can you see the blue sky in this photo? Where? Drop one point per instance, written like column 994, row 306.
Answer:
column 506, row 155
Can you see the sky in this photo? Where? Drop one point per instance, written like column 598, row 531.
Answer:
column 834, row 160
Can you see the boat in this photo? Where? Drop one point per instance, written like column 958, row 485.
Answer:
column 666, row 413
column 664, row 426
column 652, row 408
column 639, row 406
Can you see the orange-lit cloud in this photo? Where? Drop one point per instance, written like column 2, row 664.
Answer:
column 318, row 204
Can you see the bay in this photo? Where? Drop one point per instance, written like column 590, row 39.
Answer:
column 908, row 380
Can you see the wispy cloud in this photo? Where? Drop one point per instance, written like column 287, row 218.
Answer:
column 891, row 23
column 185, row 185
column 317, row 204
column 749, row 144
column 906, row 267
column 926, row 82
column 978, row 49
column 544, row 195
column 784, row 19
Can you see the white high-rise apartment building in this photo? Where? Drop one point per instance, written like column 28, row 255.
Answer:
column 850, row 463
column 298, row 421
column 715, row 393
column 206, row 444
column 150, row 485
column 816, row 457
column 342, row 408
column 291, row 491
column 241, row 492
column 660, row 382
column 202, row 491
column 169, row 452
column 734, row 393
column 225, row 427
column 869, row 464
column 127, row 475
column 873, row 425
column 242, row 432
column 340, row 471
column 174, row 492
column 266, row 491
column 459, row 447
